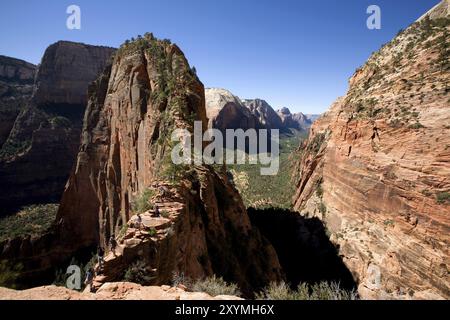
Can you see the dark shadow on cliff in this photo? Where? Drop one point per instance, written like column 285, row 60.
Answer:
column 303, row 247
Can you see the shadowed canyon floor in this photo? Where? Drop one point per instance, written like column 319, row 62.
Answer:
column 303, row 247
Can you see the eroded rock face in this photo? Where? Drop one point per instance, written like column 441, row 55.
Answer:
column 376, row 167
column 133, row 108
column 264, row 113
column 296, row 121
column 16, row 87
column 16, row 71
column 41, row 148
column 226, row 111
column 66, row 70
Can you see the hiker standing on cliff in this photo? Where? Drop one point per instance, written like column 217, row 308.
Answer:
column 100, row 257
column 163, row 191
column 113, row 244
column 139, row 221
column 89, row 278
column 156, row 209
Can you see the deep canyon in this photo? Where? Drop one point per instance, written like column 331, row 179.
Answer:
column 367, row 183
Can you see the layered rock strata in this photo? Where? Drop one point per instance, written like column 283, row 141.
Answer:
column 37, row 157
column 376, row 167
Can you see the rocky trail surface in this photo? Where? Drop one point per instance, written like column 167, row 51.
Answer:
column 110, row 291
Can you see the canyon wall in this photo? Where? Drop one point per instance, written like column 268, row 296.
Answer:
column 16, row 87
column 264, row 113
column 296, row 121
column 226, row 111
column 376, row 167
column 41, row 147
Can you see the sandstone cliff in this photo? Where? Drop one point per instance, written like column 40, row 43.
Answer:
column 295, row 121
column 16, row 87
column 124, row 158
column 376, row 167
column 226, row 111
column 264, row 113
column 41, row 148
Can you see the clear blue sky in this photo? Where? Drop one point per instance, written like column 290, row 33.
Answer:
column 293, row 53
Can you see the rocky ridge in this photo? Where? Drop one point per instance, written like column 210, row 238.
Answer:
column 124, row 159
column 264, row 113
column 376, row 168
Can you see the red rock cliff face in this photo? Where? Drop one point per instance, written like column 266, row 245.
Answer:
column 376, row 167
column 148, row 92
column 37, row 157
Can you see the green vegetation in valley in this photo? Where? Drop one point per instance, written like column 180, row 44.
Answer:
column 260, row 191
column 32, row 220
